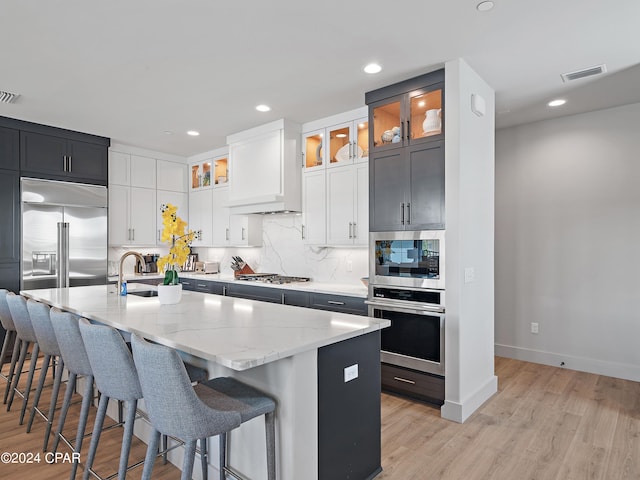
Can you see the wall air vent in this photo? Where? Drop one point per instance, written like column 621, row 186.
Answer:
column 7, row 97
column 585, row 72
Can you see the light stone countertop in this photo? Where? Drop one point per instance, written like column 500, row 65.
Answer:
column 348, row 289
column 234, row 332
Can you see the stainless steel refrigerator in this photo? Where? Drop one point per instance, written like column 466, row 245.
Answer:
column 64, row 234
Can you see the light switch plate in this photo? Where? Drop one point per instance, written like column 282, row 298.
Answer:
column 350, row 373
column 469, row 274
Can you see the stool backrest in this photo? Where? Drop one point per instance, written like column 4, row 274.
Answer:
column 5, row 314
column 111, row 361
column 41, row 322
column 21, row 319
column 172, row 404
column 74, row 355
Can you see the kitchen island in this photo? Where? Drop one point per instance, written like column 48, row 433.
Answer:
column 323, row 369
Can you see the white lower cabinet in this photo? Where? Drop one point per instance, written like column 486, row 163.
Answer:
column 220, row 214
column 178, row 199
column 314, row 207
column 348, row 205
column 132, row 216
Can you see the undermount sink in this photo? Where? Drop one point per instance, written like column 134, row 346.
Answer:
column 144, row 293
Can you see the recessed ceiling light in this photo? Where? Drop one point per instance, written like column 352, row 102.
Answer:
column 263, row 108
column 372, row 68
column 484, row 6
column 168, row 132
column 193, row 133
column 557, row 102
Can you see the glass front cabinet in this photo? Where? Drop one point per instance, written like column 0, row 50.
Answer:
column 209, row 172
column 408, row 119
column 337, row 145
column 406, row 164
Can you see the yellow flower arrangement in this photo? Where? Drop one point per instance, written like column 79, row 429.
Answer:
column 179, row 241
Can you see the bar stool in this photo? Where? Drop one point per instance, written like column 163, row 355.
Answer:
column 41, row 322
column 178, row 409
column 11, row 336
column 76, row 361
column 24, row 328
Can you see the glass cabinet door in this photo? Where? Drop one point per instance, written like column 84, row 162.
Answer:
column 387, row 123
column 340, row 147
column 361, row 140
column 221, row 171
column 425, row 114
column 313, row 150
column 200, row 175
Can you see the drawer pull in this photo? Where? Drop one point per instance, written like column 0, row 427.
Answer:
column 333, row 302
column 202, row 285
column 404, row 380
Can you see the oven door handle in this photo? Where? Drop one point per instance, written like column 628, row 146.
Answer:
column 421, row 310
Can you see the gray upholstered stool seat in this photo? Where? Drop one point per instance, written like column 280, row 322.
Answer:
column 41, row 322
column 11, row 337
column 24, row 328
column 211, row 408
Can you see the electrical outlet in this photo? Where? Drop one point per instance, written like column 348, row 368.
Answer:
column 349, row 265
column 350, row 373
column 534, row 327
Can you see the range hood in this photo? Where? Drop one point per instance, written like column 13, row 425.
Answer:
column 266, row 169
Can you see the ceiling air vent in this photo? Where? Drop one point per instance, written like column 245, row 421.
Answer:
column 7, row 97
column 585, row 72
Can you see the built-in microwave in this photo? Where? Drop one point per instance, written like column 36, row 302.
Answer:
column 412, row 259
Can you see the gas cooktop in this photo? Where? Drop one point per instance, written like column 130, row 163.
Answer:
column 270, row 278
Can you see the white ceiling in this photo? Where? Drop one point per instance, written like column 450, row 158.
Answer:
column 131, row 70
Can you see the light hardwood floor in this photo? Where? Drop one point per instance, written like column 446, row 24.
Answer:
column 544, row 423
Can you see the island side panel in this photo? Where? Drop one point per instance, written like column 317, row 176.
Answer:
column 349, row 409
column 293, row 383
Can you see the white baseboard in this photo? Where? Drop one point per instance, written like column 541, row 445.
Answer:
column 582, row 364
column 459, row 412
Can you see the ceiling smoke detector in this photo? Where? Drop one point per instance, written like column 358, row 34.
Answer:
column 8, row 97
column 585, row 72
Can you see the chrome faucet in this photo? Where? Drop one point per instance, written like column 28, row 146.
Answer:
column 125, row 255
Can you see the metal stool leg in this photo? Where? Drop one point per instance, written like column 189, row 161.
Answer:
column 52, row 404
column 204, row 458
column 71, row 385
column 87, row 399
column 95, row 434
column 127, row 436
column 222, row 438
column 12, row 369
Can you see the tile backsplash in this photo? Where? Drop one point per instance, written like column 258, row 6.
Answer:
column 283, row 252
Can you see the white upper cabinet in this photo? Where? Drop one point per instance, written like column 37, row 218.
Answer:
column 179, row 199
column 200, row 216
column 131, row 170
column 314, row 207
column 265, row 169
column 171, row 176
column 347, row 205
column 132, row 217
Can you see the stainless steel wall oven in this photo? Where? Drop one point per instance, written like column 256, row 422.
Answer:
column 415, row 338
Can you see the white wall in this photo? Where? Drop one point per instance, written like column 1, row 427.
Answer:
column 469, row 173
column 568, row 242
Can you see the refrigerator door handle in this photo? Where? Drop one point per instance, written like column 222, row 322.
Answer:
column 63, row 254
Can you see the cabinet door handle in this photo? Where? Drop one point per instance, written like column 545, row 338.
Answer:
column 354, row 230
column 159, row 235
column 408, row 130
column 400, row 379
column 408, row 214
column 69, row 160
column 402, row 213
column 302, row 232
column 350, row 235
column 133, row 234
column 224, row 290
column 242, row 233
column 226, row 234
column 201, row 285
column 282, row 298
column 333, row 302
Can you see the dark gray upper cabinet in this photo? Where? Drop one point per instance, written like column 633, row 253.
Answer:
column 406, row 160
column 9, row 149
column 9, row 216
column 61, row 158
